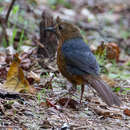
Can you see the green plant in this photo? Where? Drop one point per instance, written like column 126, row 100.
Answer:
column 53, row 3
column 40, row 96
column 1, row 9
column 122, row 90
column 15, row 9
column 128, row 63
column 4, row 44
column 117, row 89
column 14, row 32
column 21, row 40
column 125, row 34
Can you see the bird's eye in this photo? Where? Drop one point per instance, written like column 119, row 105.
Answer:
column 60, row 27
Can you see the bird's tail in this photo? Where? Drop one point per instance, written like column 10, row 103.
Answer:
column 103, row 90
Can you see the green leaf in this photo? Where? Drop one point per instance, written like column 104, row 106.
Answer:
column 13, row 36
column 15, row 9
column 117, row 89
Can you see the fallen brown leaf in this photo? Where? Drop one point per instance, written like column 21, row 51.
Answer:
column 111, row 50
column 127, row 112
column 15, row 78
column 35, row 76
column 107, row 113
column 72, row 103
column 48, row 104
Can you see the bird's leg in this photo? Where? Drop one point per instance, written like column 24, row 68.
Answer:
column 71, row 92
column 82, row 91
column 73, row 89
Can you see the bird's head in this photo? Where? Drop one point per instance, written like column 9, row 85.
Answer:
column 64, row 30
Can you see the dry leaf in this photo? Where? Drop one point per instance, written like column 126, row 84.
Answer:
column 25, row 60
column 48, row 104
column 107, row 113
column 127, row 112
column 102, row 112
column 45, row 124
column 15, row 78
column 35, row 76
column 72, row 103
column 111, row 49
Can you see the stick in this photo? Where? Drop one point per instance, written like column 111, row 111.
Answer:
column 9, row 10
column 4, row 22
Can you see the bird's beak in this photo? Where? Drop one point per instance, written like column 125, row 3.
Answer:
column 50, row 29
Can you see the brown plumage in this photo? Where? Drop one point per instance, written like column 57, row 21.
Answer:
column 77, row 63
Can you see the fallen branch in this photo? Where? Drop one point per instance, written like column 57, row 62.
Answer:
column 9, row 95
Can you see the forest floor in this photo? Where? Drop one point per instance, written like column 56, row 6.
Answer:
column 42, row 106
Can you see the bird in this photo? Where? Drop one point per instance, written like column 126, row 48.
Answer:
column 77, row 63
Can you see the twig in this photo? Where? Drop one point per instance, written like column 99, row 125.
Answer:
column 10, row 127
column 4, row 32
column 82, row 127
column 40, row 44
column 9, row 95
column 14, row 95
column 9, row 10
column 4, row 22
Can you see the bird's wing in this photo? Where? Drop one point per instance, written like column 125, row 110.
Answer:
column 78, row 55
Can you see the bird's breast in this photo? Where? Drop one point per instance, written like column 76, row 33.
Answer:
column 61, row 61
